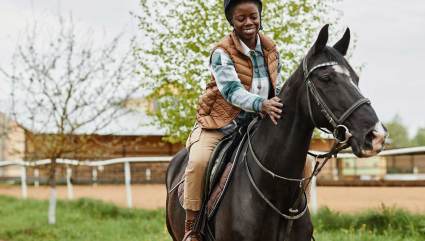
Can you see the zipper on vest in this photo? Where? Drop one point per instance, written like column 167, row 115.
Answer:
column 273, row 88
column 252, row 69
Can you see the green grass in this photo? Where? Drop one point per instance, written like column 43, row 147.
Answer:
column 94, row 220
column 387, row 224
column 78, row 220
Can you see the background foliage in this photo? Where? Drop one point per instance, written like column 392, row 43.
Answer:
column 399, row 135
column 180, row 34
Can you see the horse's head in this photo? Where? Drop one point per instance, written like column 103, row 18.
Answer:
column 332, row 99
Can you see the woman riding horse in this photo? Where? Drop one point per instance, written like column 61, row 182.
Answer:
column 245, row 76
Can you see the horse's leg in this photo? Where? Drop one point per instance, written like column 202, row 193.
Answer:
column 302, row 229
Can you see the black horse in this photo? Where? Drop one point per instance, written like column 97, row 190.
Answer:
column 323, row 92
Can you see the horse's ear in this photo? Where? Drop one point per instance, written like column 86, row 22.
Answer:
column 321, row 40
column 342, row 45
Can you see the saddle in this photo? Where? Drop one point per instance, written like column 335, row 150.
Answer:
column 219, row 171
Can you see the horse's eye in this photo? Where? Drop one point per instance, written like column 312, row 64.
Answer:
column 324, row 77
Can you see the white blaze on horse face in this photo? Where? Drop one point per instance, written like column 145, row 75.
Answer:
column 342, row 70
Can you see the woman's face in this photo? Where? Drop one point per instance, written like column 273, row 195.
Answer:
column 246, row 20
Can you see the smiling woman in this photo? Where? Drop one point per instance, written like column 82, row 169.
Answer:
column 245, row 75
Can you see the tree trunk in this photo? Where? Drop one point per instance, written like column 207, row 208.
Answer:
column 53, row 194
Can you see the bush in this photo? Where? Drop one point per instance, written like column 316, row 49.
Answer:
column 382, row 221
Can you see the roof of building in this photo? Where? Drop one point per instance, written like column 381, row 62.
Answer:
column 132, row 123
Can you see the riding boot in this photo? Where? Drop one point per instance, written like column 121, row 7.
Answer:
column 189, row 233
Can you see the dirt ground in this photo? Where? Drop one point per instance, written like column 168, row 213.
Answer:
column 344, row 199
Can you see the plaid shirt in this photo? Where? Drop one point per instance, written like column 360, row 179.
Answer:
column 230, row 86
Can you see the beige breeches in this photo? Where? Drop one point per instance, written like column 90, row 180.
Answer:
column 201, row 143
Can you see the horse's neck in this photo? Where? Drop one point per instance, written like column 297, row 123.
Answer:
column 283, row 147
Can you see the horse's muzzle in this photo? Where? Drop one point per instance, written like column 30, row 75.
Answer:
column 374, row 141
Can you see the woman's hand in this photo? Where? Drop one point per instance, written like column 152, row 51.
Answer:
column 273, row 108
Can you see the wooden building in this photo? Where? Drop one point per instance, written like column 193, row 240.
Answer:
column 394, row 167
column 128, row 135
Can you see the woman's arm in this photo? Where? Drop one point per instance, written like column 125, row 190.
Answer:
column 229, row 84
column 231, row 88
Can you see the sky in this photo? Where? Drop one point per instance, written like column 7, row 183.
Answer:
column 390, row 38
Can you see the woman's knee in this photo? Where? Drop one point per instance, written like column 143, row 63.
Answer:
column 198, row 161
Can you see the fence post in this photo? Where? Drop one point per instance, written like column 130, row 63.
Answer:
column 94, row 175
column 313, row 192
column 128, row 184
column 69, row 183
column 148, row 174
column 36, row 177
column 24, row 182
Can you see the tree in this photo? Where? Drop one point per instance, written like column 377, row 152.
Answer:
column 419, row 139
column 63, row 86
column 398, row 132
column 180, row 35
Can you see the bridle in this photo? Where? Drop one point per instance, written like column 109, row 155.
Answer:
column 340, row 132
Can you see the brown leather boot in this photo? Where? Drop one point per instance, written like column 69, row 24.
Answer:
column 189, row 233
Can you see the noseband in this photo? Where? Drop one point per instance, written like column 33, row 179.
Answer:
column 340, row 132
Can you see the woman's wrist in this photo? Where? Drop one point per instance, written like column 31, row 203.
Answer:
column 261, row 105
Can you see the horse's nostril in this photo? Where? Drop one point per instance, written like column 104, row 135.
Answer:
column 368, row 140
column 374, row 140
column 379, row 135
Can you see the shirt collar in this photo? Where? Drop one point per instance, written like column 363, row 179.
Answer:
column 246, row 49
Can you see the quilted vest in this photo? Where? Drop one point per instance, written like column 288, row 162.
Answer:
column 213, row 110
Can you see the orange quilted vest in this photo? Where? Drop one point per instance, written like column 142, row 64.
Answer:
column 213, row 110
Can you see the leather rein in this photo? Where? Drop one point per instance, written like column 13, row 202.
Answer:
column 340, row 133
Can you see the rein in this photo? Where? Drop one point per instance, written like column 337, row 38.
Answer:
column 303, row 182
column 341, row 135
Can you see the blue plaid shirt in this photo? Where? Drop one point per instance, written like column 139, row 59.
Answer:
column 230, row 86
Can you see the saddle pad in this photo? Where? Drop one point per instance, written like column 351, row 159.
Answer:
column 216, row 194
column 219, row 189
column 219, row 171
column 215, row 167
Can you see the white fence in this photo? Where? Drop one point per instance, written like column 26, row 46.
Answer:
column 94, row 164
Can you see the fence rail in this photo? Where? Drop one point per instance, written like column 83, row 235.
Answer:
column 126, row 161
column 95, row 164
